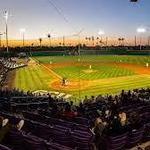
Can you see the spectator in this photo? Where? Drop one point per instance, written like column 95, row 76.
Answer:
column 135, row 121
column 123, row 118
column 81, row 109
column 98, row 131
column 1, row 122
column 68, row 113
column 5, row 127
column 20, row 125
column 73, row 107
column 116, row 125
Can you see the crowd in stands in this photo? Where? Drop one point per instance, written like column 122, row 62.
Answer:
column 43, row 122
column 6, row 65
column 11, row 64
column 3, row 72
column 117, row 122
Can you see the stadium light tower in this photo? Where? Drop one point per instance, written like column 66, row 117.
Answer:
column 141, row 30
column 6, row 15
column 101, row 33
column 1, row 39
column 22, row 31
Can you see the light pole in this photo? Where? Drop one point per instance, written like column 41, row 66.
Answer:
column 135, row 41
column 1, row 40
column 63, row 40
column 22, row 31
column 141, row 31
column 101, row 33
column 6, row 26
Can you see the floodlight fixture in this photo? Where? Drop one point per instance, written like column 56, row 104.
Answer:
column 101, row 32
column 141, row 30
column 22, row 30
column 6, row 15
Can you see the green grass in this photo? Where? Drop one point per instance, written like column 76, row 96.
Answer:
column 32, row 78
column 115, row 86
column 99, row 72
column 113, row 77
column 98, row 58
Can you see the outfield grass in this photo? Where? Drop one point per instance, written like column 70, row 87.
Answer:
column 107, row 78
column 98, row 58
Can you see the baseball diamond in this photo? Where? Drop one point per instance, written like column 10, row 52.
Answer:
column 92, row 75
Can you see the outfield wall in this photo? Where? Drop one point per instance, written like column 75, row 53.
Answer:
column 114, row 52
column 48, row 53
column 92, row 52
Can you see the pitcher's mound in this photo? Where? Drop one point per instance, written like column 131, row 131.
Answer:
column 89, row 71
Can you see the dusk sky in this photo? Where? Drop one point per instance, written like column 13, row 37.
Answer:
column 38, row 17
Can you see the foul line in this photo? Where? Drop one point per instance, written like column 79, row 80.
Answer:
column 48, row 69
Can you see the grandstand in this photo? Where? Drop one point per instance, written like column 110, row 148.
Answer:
column 77, row 87
column 48, row 120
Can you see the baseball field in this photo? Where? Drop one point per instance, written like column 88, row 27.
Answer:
column 85, row 75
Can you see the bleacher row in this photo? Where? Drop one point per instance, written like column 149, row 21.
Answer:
column 9, row 64
column 54, row 94
column 51, row 123
column 3, row 72
column 47, row 127
column 5, row 66
column 50, row 134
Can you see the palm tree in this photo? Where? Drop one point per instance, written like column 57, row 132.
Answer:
column 59, row 43
column 93, row 40
column 49, row 36
column 121, row 41
column 101, row 42
column 32, row 44
column 86, row 38
column 89, row 40
column 97, row 40
column 40, row 40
